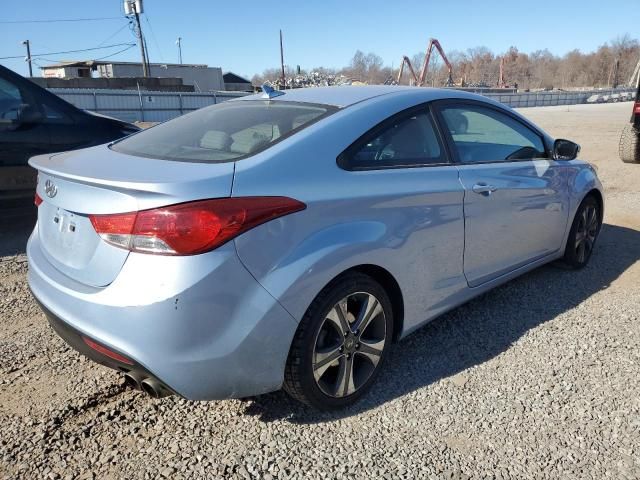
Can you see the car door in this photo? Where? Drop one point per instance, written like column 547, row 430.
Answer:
column 405, row 170
column 23, row 134
column 515, row 202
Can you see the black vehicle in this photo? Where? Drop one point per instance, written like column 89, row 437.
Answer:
column 34, row 121
column 629, row 147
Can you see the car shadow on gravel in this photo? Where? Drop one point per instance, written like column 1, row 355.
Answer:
column 14, row 233
column 477, row 331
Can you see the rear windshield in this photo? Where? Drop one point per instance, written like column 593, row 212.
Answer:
column 223, row 133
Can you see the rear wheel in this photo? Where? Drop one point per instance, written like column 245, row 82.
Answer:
column 340, row 344
column 583, row 234
column 629, row 146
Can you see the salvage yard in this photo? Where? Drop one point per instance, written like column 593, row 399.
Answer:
column 536, row 379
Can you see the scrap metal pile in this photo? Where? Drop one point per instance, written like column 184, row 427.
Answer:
column 312, row 79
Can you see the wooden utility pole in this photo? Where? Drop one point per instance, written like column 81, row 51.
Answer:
column 26, row 42
column 282, row 63
column 145, row 65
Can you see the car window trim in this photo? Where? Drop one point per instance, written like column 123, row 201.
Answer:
column 344, row 159
column 438, row 105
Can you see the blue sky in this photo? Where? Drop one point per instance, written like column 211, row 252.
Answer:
column 243, row 36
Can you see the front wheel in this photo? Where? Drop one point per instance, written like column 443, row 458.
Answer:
column 340, row 344
column 583, row 234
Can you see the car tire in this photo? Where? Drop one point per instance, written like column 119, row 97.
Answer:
column 329, row 367
column 583, row 234
column 629, row 146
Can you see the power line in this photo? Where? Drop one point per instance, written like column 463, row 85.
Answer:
column 153, row 35
column 118, row 52
column 63, row 20
column 83, row 50
column 54, row 60
column 114, row 34
column 70, row 51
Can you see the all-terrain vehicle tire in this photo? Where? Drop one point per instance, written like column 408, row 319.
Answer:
column 629, row 147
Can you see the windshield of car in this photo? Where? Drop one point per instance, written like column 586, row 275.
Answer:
column 224, row 132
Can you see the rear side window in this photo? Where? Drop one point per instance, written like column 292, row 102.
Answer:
column 483, row 134
column 225, row 132
column 407, row 140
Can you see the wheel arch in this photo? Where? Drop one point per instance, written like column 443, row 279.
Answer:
column 597, row 194
column 390, row 285
column 583, row 181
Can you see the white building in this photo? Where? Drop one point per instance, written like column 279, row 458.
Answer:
column 202, row 77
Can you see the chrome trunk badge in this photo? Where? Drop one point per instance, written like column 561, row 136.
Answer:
column 50, row 189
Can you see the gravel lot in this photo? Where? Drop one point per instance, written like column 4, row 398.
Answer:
column 537, row 379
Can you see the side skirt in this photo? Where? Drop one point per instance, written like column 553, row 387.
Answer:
column 471, row 292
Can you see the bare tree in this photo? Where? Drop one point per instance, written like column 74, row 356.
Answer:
column 480, row 66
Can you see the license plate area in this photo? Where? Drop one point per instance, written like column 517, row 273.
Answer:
column 67, row 237
column 66, row 224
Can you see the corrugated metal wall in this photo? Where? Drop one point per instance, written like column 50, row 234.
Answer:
column 131, row 106
column 545, row 99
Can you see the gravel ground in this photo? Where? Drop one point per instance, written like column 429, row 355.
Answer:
column 536, row 379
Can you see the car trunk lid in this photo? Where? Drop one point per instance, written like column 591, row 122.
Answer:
column 75, row 185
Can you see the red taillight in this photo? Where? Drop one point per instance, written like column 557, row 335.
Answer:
column 114, row 224
column 105, row 351
column 37, row 200
column 636, row 108
column 190, row 228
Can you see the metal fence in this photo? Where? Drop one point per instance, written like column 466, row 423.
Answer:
column 546, row 99
column 146, row 106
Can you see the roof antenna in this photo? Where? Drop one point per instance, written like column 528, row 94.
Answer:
column 270, row 92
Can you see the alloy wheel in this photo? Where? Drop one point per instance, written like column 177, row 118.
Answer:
column 349, row 344
column 586, row 233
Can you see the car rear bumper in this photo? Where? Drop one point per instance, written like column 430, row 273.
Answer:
column 81, row 343
column 202, row 325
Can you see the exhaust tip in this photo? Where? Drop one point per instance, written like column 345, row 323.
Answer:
column 132, row 381
column 154, row 389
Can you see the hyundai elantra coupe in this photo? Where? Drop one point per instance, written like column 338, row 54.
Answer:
column 286, row 239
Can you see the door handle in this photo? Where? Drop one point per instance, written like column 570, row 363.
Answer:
column 484, row 189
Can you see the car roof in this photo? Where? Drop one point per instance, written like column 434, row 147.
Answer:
column 345, row 95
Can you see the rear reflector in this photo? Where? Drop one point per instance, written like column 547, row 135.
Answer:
column 636, row 108
column 190, row 228
column 105, row 351
column 37, row 200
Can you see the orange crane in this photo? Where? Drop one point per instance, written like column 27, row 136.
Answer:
column 419, row 80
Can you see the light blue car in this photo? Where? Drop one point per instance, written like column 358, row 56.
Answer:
column 286, row 239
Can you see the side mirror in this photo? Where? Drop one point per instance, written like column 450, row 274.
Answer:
column 29, row 114
column 565, row 149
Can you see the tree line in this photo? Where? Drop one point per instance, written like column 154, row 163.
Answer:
column 611, row 64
